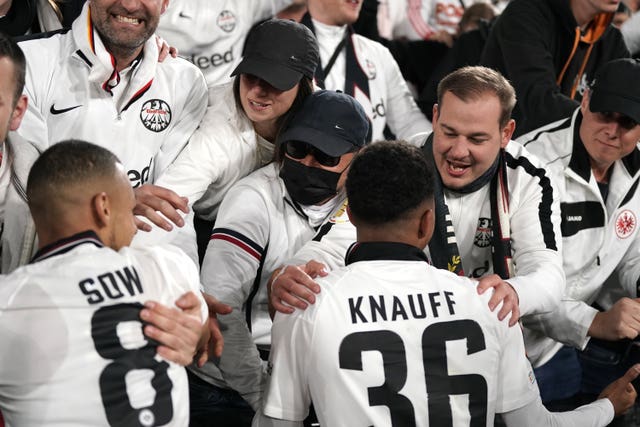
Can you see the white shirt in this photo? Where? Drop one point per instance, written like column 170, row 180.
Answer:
column 77, row 355
column 338, row 351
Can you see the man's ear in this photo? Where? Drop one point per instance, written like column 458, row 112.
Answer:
column 101, row 206
column 165, row 5
column 18, row 113
column 584, row 104
column 507, row 133
column 435, row 113
column 426, row 224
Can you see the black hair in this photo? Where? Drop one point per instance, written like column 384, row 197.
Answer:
column 10, row 49
column 386, row 181
column 67, row 163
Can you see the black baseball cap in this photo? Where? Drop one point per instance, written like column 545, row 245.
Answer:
column 279, row 52
column 616, row 88
column 333, row 122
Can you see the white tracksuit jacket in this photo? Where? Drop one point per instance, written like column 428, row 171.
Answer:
column 153, row 111
column 535, row 234
column 390, row 102
column 257, row 229
column 599, row 238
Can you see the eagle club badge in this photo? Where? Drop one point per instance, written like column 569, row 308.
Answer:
column 155, row 115
column 625, row 224
column 226, row 21
column 482, row 238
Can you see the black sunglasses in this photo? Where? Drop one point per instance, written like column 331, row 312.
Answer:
column 298, row 150
column 625, row 122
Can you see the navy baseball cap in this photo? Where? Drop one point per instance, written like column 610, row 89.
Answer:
column 615, row 88
column 280, row 52
column 333, row 122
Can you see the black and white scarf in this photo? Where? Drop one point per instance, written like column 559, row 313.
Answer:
column 443, row 246
column 355, row 77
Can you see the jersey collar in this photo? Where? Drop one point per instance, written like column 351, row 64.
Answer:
column 388, row 251
column 66, row 244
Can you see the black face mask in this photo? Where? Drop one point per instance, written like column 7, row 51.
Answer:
column 306, row 185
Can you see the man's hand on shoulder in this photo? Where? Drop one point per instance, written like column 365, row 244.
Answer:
column 293, row 287
column 502, row 292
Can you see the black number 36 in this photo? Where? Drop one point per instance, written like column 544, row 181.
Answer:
column 434, row 357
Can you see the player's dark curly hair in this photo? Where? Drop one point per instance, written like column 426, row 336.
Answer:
column 67, row 163
column 386, row 181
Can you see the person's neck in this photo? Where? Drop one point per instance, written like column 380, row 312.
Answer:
column 601, row 172
column 318, row 14
column 266, row 130
column 4, row 9
column 123, row 57
column 387, row 234
column 582, row 12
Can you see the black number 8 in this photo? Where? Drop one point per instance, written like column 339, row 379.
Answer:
column 434, row 358
column 112, row 379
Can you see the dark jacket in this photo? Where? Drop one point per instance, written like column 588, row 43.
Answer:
column 538, row 46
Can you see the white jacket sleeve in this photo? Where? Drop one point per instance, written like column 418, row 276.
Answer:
column 596, row 414
column 228, row 272
column 569, row 323
column 536, row 240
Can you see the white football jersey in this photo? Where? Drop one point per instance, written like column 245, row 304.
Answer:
column 73, row 350
column 211, row 34
column 392, row 341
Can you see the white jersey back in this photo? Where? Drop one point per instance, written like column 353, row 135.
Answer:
column 73, row 351
column 397, row 343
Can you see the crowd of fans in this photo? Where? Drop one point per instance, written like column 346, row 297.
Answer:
column 241, row 127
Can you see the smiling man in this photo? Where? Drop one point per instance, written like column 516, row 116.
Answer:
column 497, row 217
column 102, row 82
column 594, row 161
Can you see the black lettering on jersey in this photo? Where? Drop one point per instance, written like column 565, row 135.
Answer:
column 450, row 302
column 94, row 295
column 415, row 314
column 379, row 306
column 139, row 178
column 217, row 59
column 398, row 310
column 111, row 285
column 434, row 304
column 480, row 271
column 354, row 309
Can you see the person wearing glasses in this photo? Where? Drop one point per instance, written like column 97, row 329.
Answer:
column 265, row 218
column 594, row 162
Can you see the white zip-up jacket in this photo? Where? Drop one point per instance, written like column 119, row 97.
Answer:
column 390, row 101
column 211, row 34
column 153, row 111
column 257, row 229
column 222, row 150
column 599, row 238
column 18, row 242
column 534, row 216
